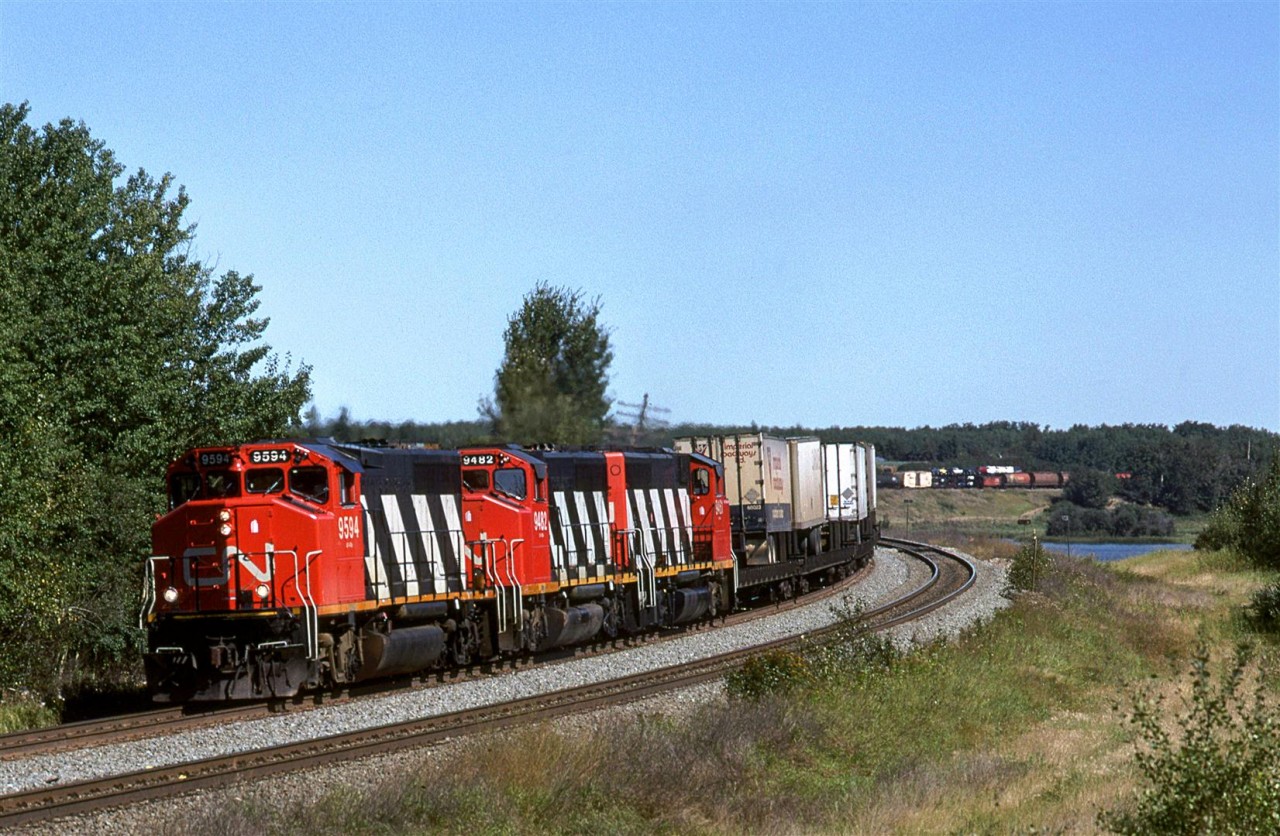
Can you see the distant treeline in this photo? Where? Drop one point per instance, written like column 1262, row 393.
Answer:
column 1188, row 468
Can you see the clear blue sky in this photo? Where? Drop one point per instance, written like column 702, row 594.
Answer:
column 817, row 214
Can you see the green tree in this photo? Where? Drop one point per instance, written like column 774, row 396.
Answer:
column 551, row 385
column 1089, row 488
column 120, row 350
column 1249, row 522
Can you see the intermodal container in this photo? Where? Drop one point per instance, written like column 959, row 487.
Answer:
column 757, row 477
column 808, row 500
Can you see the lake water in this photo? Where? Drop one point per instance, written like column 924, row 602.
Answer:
column 1114, row 551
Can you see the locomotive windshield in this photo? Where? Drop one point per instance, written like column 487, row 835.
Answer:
column 183, row 486
column 510, row 481
column 215, row 484
column 310, row 483
column 220, row 484
column 264, row 480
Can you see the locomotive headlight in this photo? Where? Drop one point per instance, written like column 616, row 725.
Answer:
column 224, row 515
column 263, row 591
column 225, row 529
column 171, row 595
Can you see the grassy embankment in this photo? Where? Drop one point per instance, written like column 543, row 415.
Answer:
column 1013, row 728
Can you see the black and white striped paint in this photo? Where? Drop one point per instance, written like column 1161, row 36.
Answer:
column 414, row 545
column 581, row 529
column 663, row 524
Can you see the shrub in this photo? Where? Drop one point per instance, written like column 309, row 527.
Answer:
column 1222, row 772
column 1264, row 608
column 1065, row 519
column 1030, row 565
column 772, row 672
column 850, row 648
column 1249, row 522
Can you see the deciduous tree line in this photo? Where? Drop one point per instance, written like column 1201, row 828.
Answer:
column 118, row 351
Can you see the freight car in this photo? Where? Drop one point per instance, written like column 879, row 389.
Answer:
column 291, row 565
column 797, row 507
column 988, row 476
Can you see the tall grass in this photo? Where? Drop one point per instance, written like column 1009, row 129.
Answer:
column 23, row 711
column 931, row 741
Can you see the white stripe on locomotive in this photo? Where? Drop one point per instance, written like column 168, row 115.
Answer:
column 399, row 543
column 375, row 580
column 426, row 532
column 454, row 520
column 642, row 524
column 559, row 534
column 602, row 531
column 663, row 531
column 588, row 540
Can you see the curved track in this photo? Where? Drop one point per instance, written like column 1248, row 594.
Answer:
column 176, row 718
column 949, row 576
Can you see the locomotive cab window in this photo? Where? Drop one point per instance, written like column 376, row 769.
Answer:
column 510, row 481
column 264, row 480
column 349, row 496
column 221, row 484
column 701, row 482
column 475, row 480
column 310, row 483
column 183, row 486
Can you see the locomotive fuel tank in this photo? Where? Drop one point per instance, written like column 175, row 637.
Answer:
column 573, row 625
column 405, row 650
column 689, row 604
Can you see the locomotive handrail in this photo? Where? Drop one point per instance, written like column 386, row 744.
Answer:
column 487, row 553
column 646, row 576
column 671, row 542
column 508, row 594
column 433, row 563
column 403, row 557
column 517, row 610
column 311, row 612
column 148, row 589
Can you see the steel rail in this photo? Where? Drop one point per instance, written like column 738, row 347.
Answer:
column 71, row 799
column 173, row 719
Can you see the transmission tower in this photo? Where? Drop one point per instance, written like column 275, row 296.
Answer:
column 643, row 418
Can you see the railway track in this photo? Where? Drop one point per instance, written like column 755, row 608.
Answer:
column 949, row 576
column 174, row 719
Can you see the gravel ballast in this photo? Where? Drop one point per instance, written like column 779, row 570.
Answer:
column 888, row 579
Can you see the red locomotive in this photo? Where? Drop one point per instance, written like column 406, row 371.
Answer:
column 296, row 565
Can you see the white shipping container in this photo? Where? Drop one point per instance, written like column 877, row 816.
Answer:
column 868, row 482
column 757, row 476
column 807, row 499
column 865, row 482
column 841, row 463
column 917, row 479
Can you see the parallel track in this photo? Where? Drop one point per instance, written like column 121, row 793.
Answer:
column 176, row 718
column 950, row 576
